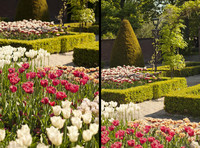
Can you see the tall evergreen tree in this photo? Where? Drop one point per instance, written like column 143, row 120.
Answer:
column 126, row 49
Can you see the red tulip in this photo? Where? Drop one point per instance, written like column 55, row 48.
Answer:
column 55, row 82
column 13, row 88
column 61, row 95
column 21, row 70
column 115, row 122
column 143, row 140
column 51, row 90
column 11, row 70
column 111, row 128
column 52, row 103
column 25, row 65
column 44, row 83
column 131, row 143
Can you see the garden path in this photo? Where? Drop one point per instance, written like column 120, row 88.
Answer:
column 63, row 58
column 155, row 108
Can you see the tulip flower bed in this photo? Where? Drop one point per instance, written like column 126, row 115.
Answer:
column 48, row 107
column 9, row 54
column 150, row 133
column 186, row 101
column 126, row 77
column 124, row 112
column 29, row 30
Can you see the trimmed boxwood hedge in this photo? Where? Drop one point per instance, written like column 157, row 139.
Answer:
column 53, row 45
column 191, row 69
column 141, row 93
column 186, row 101
column 87, row 55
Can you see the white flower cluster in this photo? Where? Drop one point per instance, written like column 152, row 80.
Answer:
column 125, row 112
column 92, row 106
column 20, row 55
column 77, row 120
column 24, row 138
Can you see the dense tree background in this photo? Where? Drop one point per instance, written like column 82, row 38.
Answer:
column 140, row 14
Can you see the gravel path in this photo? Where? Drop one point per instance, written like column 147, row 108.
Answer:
column 61, row 59
column 155, row 108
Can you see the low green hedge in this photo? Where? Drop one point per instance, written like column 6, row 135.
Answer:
column 87, row 55
column 53, row 45
column 186, row 101
column 92, row 29
column 141, row 93
column 191, row 69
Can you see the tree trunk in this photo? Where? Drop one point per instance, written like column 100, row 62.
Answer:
column 199, row 40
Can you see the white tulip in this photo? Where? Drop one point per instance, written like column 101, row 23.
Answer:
column 42, row 145
column 23, row 131
column 66, row 104
column 77, row 113
column 57, row 122
column 2, row 134
column 87, row 118
column 66, row 113
column 73, row 137
column 54, row 135
column 26, row 140
column 72, row 129
column 87, row 135
column 76, row 122
column 56, row 110
column 15, row 144
column 94, row 128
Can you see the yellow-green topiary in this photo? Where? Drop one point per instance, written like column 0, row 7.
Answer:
column 32, row 9
column 126, row 49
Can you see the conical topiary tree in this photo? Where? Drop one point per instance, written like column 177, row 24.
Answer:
column 126, row 49
column 32, row 9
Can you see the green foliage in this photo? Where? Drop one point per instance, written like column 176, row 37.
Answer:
column 108, row 35
column 32, row 9
column 191, row 69
column 52, row 45
column 112, row 14
column 84, row 16
column 126, row 49
column 186, row 101
column 142, row 93
column 145, row 31
column 87, row 54
column 172, row 38
column 92, row 29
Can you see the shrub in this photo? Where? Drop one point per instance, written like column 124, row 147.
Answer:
column 186, row 101
column 52, row 45
column 141, row 93
column 126, row 49
column 32, row 9
column 87, row 55
column 192, row 68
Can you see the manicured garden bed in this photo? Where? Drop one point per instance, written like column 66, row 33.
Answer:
column 141, row 93
column 192, row 68
column 87, row 54
column 52, row 45
column 150, row 133
column 46, row 106
column 186, row 101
